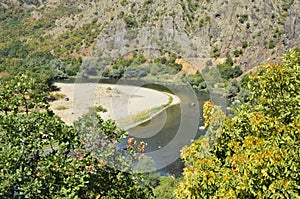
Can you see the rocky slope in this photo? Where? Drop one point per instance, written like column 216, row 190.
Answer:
column 251, row 31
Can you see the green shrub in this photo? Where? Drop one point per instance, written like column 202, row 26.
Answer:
column 216, row 52
column 195, row 80
column 244, row 44
column 100, row 108
column 166, row 187
column 271, row 44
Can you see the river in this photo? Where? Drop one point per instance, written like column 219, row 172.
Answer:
column 172, row 129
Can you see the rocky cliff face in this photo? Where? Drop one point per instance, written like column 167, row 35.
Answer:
column 252, row 31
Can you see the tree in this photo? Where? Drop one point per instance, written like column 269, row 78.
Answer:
column 58, row 68
column 35, row 146
column 195, row 80
column 233, row 88
column 227, row 70
column 166, row 187
column 22, row 94
column 41, row 157
column 112, row 176
column 244, row 44
column 255, row 154
column 146, row 166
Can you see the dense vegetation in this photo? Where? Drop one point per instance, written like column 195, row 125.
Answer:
column 255, row 154
column 251, row 153
column 35, row 33
column 26, row 48
column 41, row 157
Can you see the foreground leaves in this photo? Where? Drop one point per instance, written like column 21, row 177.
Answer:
column 41, row 157
column 256, row 153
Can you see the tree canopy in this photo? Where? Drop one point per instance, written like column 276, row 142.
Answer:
column 41, row 157
column 256, row 153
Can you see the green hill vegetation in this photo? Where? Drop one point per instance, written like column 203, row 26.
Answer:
column 41, row 157
column 252, row 152
column 34, row 33
column 255, row 154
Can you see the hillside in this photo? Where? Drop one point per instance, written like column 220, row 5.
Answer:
column 61, row 141
column 253, row 31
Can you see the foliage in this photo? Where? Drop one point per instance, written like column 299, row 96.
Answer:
column 130, row 22
column 244, row 81
column 100, row 108
column 35, row 146
column 271, row 44
column 92, row 67
column 138, row 67
column 195, row 80
column 216, row 52
column 111, row 176
column 41, row 157
column 234, row 88
column 21, row 94
column 68, row 30
column 228, row 71
column 243, row 18
column 56, row 96
column 237, row 52
column 256, row 153
column 169, row 61
column 166, row 187
column 26, row 47
column 244, row 44
column 146, row 166
column 137, row 72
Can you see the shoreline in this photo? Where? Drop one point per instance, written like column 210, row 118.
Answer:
column 121, row 101
column 148, row 119
column 175, row 101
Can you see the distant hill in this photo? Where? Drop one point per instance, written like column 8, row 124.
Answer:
column 250, row 31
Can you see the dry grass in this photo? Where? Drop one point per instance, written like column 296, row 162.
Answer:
column 61, row 108
column 56, row 96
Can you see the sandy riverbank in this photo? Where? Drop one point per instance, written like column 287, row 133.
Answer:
column 125, row 104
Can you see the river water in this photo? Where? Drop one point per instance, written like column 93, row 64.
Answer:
column 172, row 129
